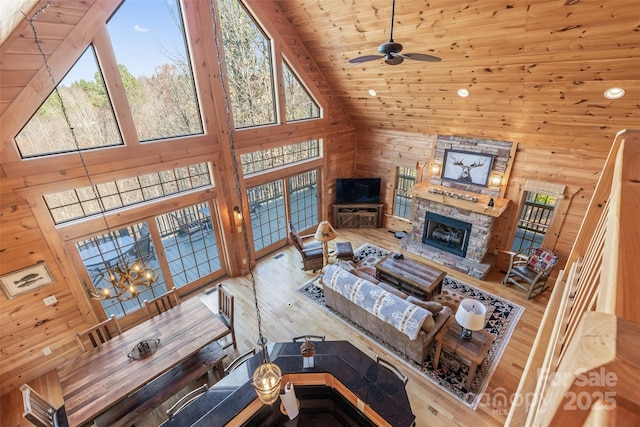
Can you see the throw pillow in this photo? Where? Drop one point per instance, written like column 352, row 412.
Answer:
column 434, row 307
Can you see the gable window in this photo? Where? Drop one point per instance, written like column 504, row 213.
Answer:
column 248, row 60
column 87, row 107
column 405, row 179
column 149, row 43
column 299, row 104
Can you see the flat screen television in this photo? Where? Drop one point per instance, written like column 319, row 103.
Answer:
column 358, row 190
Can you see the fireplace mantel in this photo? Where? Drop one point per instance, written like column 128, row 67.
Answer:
column 432, row 192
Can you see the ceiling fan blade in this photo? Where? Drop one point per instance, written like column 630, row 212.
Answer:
column 365, row 58
column 420, row 57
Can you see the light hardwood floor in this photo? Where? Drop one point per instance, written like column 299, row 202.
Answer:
column 286, row 313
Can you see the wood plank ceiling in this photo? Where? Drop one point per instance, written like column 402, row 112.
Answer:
column 534, row 70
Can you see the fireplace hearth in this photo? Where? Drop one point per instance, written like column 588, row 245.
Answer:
column 449, row 234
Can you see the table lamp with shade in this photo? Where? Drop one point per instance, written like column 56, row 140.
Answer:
column 324, row 233
column 471, row 317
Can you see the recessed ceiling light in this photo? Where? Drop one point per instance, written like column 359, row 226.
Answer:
column 372, row 92
column 463, row 93
column 614, row 93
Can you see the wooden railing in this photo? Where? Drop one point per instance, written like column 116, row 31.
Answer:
column 584, row 367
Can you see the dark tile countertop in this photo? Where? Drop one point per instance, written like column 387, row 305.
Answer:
column 375, row 385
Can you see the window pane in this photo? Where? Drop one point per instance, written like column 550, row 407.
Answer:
column 247, row 52
column 535, row 219
column 405, row 179
column 266, row 204
column 83, row 95
column 272, row 158
column 100, row 254
column 190, row 244
column 303, row 200
column 299, row 104
column 83, row 202
column 149, row 42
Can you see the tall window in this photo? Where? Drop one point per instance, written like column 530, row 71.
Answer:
column 247, row 53
column 103, row 252
column 267, row 204
column 149, row 42
column 405, row 179
column 535, row 218
column 303, row 200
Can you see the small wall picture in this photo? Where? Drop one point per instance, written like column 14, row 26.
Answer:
column 25, row 280
column 467, row 167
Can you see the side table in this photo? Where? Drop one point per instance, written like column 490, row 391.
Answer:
column 473, row 351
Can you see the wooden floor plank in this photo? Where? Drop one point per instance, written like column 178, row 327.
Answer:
column 285, row 313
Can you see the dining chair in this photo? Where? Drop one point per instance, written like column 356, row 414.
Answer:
column 393, row 368
column 308, row 338
column 162, row 303
column 98, row 334
column 186, row 400
column 239, row 361
column 39, row 412
column 226, row 314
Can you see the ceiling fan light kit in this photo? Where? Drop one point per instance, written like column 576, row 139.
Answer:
column 390, row 50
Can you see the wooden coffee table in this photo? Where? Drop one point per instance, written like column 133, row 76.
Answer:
column 473, row 351
column 411, row 277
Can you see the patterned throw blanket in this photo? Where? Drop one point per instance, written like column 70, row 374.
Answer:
column 404, row 316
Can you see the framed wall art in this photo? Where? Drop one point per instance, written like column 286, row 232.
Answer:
column 25, row 280
column 467, row 167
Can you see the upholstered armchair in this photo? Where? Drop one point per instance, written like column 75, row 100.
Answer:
column 311, row 252
column 530, row 269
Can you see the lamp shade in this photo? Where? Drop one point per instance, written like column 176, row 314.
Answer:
column 325, row 232
column 470, row 314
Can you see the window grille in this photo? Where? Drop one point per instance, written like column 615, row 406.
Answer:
column 81, row 202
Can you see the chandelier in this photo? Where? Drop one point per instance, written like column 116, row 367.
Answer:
column 125, row 277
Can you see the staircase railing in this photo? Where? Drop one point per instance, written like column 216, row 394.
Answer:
column 585, row 362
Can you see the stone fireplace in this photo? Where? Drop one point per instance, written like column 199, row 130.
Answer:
column 453, row 230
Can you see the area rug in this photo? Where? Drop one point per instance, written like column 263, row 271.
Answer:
column 502, row 317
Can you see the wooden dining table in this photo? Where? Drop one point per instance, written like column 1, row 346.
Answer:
column 99, row 379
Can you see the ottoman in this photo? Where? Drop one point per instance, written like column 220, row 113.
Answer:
column 344, row 251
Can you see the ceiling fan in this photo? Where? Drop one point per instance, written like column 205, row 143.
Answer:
column 391, row 50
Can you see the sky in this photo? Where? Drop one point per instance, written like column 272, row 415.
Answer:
column 139, row 30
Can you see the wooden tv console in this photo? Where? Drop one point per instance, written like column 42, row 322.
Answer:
column 357, row 215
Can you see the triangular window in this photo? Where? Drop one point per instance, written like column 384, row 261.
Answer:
column 299, row 103
column 80, row 98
